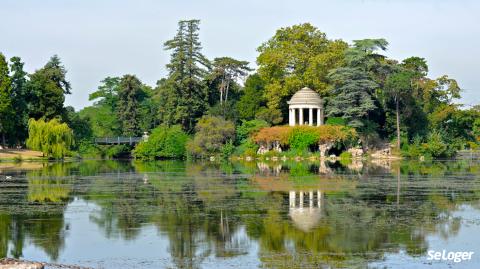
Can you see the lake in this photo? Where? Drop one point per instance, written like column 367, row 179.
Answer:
column 174, row 214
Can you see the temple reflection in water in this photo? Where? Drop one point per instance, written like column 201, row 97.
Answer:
column 260, row 215
column 305, row 209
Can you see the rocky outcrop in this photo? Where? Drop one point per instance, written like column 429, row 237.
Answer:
column 356, row 152
column 264, row 148
column 324, row 148
column 8, row 263
column 276, row 146
column 383, row 152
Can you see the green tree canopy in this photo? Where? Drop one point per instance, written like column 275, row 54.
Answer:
column 130, row 96
column 20, row 100
column 252, row 99
column 476, row 129
column 164, row 142
column 212, row 133
column 102, row 116
column 352, row 95
column 184, row 92
column 53, row 138
column 48, row 86
column 227, row 70
column 417, row 65
column 355, row 85
column 296, row 57
column 107, row 93
column 398, row 87
column 6, row 110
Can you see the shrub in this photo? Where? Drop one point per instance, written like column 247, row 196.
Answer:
column 228, row 149
column 212, row 134
column 476, row 128
column 271, row 134
column 248, row 128
column 87, row 149
column 301, row 137
column 272, row 116
column 247, row 148
column 434, row 147
column 345, row 158
column 336, row 121
column 117, row 151
column 415, row 149
column 345, row 155
column 472, row 145
column 164, row 142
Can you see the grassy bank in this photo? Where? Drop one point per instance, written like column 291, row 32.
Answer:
column 21, row 155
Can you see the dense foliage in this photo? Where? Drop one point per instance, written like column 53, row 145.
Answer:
column 302, row 137
column 164, row 142
column 128, row 109
column 222, row 103
column 212, row 135
column 52, row 138
column 249, row 128
column 6, row 110
column 296, row 57
column 183, row 94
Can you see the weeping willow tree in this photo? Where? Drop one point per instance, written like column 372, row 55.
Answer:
column 53, row 138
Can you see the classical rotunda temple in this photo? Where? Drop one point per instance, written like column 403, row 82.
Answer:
column 306, row 108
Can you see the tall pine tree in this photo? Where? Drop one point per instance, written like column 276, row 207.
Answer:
column 354, row 85
column 128, row 109
column 187, row 69
column 20, row 100
column 6, row 111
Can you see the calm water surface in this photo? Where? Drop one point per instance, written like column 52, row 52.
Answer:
column 166, row 214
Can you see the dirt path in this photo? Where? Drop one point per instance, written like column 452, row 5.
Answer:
column 23, row 153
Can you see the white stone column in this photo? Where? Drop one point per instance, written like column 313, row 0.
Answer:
column 319, row 197
column 301, row 199
column 310, row 116
column 290, row 122
column 322, row 116
column 310, row 199
column 292, row 199
column 319, row 117
column 301, row 116
column 292, row 116
column 289, row 116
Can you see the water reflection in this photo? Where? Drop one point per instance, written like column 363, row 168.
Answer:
column 274, row 215
column 305, row 217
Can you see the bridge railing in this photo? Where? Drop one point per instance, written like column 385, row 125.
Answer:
column 118, row 140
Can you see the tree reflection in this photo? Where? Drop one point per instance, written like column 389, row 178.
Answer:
column 36, row 215
column 124, row 204
column 349, row 215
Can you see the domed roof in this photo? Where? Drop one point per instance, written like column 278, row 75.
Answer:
column 306, row 96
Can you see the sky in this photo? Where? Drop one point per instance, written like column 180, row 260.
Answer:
column 100, row 38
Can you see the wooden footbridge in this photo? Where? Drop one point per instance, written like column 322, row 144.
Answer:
column 119, row 140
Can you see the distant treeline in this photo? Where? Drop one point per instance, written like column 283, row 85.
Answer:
column 382, row 98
